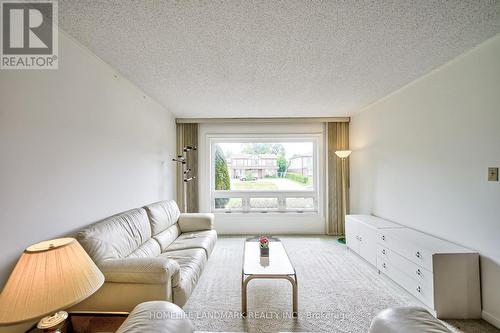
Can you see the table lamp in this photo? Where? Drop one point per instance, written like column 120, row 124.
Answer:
column 49, row 276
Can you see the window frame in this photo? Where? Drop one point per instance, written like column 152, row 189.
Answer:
column 282, row 195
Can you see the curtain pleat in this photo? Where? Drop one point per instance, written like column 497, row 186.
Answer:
column 187, row 135
column 337, row 139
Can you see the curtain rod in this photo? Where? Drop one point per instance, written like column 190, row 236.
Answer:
column 264, row 120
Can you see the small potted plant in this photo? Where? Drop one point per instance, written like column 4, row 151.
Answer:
column 264, row 246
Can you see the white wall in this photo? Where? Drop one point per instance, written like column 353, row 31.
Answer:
column 420, row 157
column 76, row 145
column 252, row 223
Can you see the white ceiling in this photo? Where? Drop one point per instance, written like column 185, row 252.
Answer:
column 242, row 58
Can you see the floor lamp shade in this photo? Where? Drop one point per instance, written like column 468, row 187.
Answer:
column 49, row 276
column 343, row 153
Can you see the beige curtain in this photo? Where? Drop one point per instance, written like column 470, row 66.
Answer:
column 338, row 139
column 187, row 135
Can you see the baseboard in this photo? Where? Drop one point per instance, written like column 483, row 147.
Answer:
column 491, row 319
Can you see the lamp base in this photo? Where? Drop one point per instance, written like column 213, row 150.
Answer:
column 54, row 323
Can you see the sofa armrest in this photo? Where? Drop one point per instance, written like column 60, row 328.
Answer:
column 196, row 221
column 157, row 316
column 141, row 270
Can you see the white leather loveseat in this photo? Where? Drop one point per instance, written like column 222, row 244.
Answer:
column 148, row 253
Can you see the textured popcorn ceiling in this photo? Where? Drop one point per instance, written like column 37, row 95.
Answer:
column 276, row 58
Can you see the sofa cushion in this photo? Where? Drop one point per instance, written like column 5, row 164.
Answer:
column 156, row 317
column 191, row 262
column 162, row 215
column 149, row 249
column 199, row 239
column 116, row 236
column 406, row 320
column 167, row 236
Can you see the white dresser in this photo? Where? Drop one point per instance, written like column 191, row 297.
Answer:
column 442, row 275
column 363, row 232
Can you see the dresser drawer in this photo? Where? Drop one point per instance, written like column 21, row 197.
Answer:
column 421, row 275
column 393, row 273
column 423, row 293
column 410, row 251
column 420, row 291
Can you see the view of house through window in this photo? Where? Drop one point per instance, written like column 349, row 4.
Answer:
column 264, row 176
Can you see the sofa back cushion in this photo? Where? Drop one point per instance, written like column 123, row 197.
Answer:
column 117, row 236
column 162, row 215
column 150, row 249
column 167, row 236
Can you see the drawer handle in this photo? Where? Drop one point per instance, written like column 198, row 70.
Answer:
column 383, row 237
column 383, row 251
column 418, row 254
column 384, row 265
column 419, row 273
column 419, row 289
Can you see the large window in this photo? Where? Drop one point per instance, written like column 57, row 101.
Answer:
column 264, row 175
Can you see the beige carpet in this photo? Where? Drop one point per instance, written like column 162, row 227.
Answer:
column 338, row 292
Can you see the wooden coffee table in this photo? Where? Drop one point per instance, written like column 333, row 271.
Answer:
column 276, row 266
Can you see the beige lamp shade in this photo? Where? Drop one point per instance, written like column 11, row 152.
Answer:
column 49, row 276
column 343, row 153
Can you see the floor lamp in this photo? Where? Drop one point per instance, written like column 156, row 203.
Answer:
column 343, row 155
column 183, row 160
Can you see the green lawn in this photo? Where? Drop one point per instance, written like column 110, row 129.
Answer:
column 254, row 185
column 234, row 203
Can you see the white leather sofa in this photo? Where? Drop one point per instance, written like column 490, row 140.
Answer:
column 406, row 320
column 149, row 253
column 157, row 317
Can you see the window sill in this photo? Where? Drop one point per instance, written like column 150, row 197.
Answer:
column 256, row 213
